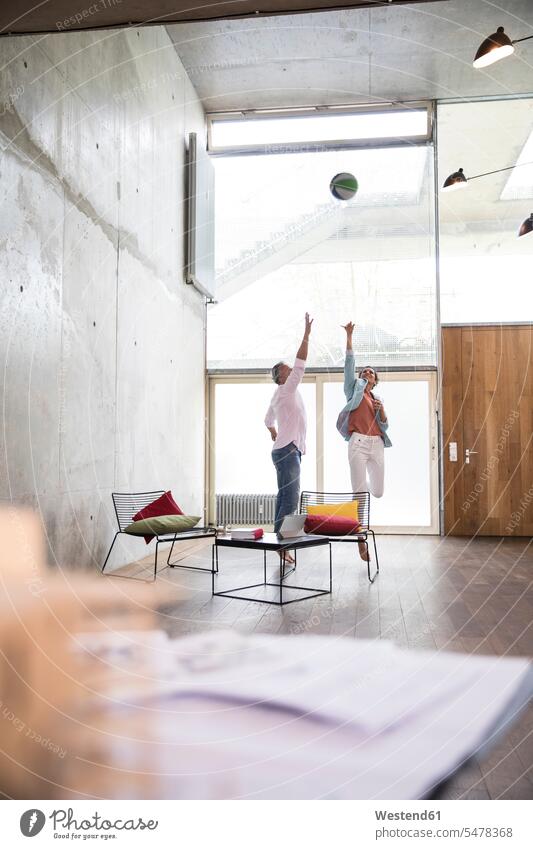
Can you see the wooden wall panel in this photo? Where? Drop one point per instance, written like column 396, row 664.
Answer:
column 492, row 495
column 452, row 427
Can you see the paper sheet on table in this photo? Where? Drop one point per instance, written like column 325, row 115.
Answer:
column 371, row 685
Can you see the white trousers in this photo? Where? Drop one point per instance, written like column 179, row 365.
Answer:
column 367, row 467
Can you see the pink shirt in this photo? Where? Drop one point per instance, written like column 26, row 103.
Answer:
column 288, row 412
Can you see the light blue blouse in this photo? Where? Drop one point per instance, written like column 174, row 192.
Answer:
column 354, row 388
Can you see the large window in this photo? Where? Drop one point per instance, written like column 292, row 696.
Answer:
column 240, row 458
column 284, row 245
column 485, row 270
column 243, row 444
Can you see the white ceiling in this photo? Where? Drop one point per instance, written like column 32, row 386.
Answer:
column 421, row 51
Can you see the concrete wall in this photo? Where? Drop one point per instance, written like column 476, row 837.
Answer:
column 101, row 342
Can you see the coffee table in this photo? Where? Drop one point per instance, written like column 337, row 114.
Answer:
column 271, row 542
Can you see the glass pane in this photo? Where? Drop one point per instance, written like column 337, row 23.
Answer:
column 310, row 128
column 485, row 270
column 519, row 183
column 243, row 446
column 284, row 245
column 407, row 498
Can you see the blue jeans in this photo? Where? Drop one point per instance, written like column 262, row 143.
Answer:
column 287, row 462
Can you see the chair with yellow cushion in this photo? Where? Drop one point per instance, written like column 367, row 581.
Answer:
column 349, row 505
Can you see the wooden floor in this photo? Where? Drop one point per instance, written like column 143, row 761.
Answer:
column 453, row 594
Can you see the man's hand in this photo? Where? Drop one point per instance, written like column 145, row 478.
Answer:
column 301, row 353
column 273, row 433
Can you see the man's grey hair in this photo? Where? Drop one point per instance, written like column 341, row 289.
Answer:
column 276, row 370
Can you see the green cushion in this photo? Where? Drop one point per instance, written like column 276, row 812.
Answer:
column 160, row 525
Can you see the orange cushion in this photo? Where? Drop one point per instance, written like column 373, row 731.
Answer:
column 347, row 509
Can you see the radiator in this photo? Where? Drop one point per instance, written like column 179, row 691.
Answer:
column 245, row 509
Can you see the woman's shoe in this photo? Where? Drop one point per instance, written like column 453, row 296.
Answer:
column 287, row 564
column 286, row 558
column 364, row 553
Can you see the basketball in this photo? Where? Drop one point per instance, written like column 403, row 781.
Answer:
column 343, row 186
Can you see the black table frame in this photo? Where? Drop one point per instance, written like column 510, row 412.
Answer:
column 270, row 543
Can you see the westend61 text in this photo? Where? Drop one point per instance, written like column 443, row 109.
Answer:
column 407, row 815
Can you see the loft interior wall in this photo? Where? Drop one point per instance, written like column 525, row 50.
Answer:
column 96, row 322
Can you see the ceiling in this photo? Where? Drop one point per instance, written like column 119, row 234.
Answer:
column 409, row 52
column 26, row 16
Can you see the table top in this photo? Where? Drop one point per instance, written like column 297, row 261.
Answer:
column 272, row 542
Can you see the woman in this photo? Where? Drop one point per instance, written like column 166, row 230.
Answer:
column 363, row 423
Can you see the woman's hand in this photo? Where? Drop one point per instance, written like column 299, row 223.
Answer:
column 379, row 408
column 349, row 328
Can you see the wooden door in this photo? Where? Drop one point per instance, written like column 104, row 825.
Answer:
column 487, row 407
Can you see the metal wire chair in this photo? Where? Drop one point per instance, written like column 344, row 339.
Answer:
column 127, row 504
column 308, row 499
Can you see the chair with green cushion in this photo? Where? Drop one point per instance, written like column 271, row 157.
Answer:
column 164, row 529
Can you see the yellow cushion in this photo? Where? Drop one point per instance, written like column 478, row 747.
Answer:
column 347, row 509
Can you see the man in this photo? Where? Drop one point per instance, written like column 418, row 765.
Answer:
column 288, row 412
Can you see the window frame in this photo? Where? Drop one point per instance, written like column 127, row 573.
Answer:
column 332, row 144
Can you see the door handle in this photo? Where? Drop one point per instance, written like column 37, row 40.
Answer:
column 468, row 452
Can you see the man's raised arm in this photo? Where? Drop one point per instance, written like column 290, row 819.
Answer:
column 297, row 373
column 301, row 354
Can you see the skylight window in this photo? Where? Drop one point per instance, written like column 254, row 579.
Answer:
column 254, row 131
column 275, row 200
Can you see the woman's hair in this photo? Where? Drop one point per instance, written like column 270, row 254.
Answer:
column 361, row 370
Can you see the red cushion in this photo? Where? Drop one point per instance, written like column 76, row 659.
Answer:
column 335, row 526
column 162, row 506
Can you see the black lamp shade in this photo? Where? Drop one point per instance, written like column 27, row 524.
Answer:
column 495, row 47
column 526, row 226
column 456, row 180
